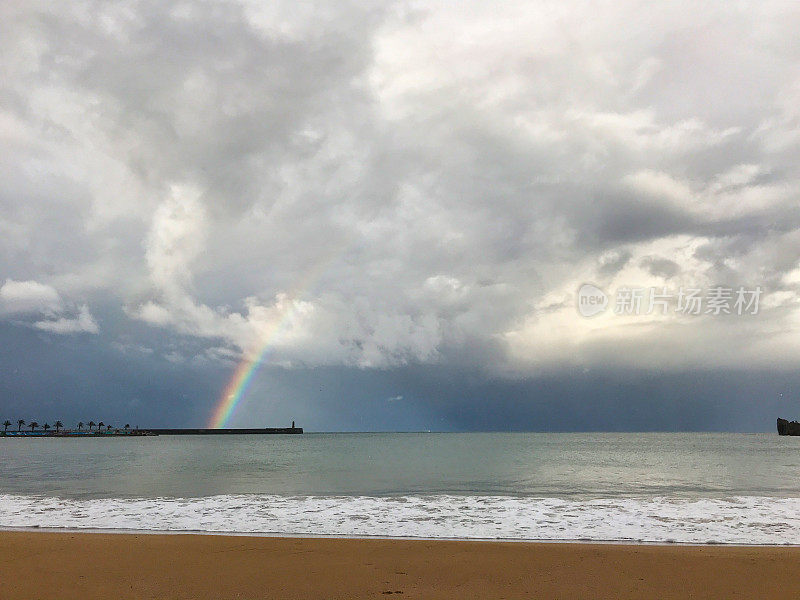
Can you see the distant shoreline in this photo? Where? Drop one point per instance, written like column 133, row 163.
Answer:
column 75, row 434
column 152, row 432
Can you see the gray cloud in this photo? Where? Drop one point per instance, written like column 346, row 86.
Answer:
column 83, row 322
column 613, row 262
column 660, row 267
column 393, row 184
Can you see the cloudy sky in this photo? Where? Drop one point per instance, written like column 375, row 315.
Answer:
column 400, row 202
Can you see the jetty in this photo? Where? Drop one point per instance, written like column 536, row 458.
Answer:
column 251, row 431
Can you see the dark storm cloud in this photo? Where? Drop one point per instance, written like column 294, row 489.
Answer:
column 611, row 264
column 660, row 267
column 134, row 384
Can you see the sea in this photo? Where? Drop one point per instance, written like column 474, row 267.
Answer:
column 703, row 488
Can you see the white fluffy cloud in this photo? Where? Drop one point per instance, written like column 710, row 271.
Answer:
column 405, row 182
column 319, row 331
column 28, row 297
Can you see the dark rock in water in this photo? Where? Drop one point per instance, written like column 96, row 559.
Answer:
column 788, row 427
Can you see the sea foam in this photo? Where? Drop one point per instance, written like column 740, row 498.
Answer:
column 736, row 520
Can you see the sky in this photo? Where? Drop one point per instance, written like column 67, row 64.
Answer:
column 388, row 211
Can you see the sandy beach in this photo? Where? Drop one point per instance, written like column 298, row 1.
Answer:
column 93, row 565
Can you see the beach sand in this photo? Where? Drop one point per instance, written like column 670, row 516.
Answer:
column 93, row 565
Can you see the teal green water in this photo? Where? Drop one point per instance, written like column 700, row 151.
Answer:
column 569, row 465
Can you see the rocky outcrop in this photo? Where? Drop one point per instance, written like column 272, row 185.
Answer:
column 788, row 427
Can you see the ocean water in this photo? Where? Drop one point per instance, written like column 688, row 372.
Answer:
column 659, row 487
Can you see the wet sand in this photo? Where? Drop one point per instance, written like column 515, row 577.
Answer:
column 94, row 565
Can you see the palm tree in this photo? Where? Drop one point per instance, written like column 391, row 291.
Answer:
column 99, row 425
column 59, row 425
column 127, row 426
column 6, row 425
column 91, row 424
column 108, row 427
column 33, row 425
column 20, row 423
column 80, row 425
column 46, row 427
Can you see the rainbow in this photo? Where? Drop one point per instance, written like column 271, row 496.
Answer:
column 242, row 376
